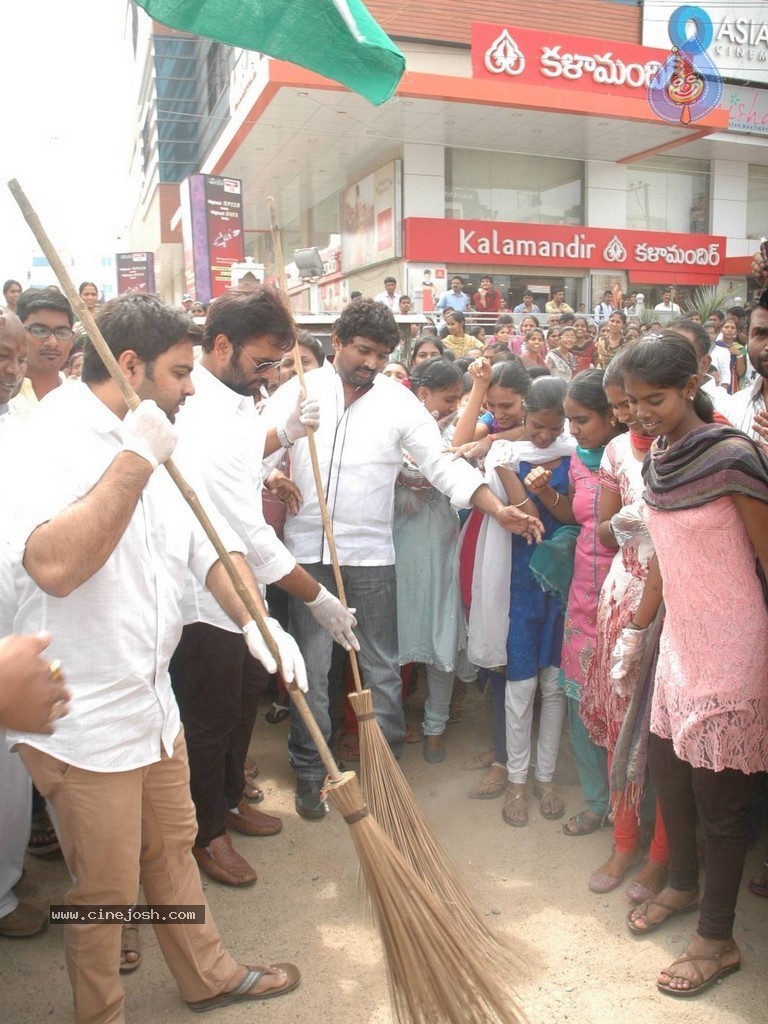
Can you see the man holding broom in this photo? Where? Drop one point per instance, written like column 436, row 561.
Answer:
column 366, row 420
column 247, row 334
column 100, row 545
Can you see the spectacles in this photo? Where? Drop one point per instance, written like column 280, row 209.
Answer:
column 267, row 364
column 42, row 332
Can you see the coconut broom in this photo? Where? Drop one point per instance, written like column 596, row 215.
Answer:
column 435, row 972
column 386, row 788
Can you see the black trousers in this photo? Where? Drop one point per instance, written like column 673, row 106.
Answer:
column 720, row 801
column 215, row 680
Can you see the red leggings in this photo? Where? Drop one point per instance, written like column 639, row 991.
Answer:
column 626, row 830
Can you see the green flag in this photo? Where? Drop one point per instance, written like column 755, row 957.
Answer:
column 336, row 38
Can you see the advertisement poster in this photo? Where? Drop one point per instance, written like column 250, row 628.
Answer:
column 135, row 272
column 224, row 218
column 425, row 282
column 370, row 218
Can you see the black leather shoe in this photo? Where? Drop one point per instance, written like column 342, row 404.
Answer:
column 310, row 802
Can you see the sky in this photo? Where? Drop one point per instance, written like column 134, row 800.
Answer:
column 67, row 126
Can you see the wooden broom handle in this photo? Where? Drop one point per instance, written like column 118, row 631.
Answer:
column 277, row 247
column 132, row 400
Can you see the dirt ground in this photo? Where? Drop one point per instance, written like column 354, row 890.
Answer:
column 583, row 965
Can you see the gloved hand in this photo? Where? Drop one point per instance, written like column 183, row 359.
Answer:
column 291, row 661
column 629, row 523
column 148, row 432
column 305, row 415
column 626, row 658
column 337, row 620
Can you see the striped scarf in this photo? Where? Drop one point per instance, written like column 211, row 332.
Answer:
column 708, row 463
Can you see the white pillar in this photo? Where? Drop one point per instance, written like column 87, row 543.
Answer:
column 423, row 180
column 605, row 194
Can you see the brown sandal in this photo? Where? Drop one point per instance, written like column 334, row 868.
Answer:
column 515, row 792
column 489, row 788
column 129, row 944
column 478, row 763
column 546, row 791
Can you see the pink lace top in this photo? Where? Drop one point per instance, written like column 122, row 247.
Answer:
column 711, row 695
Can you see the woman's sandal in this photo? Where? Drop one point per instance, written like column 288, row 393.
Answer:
column 545, row 792
column 643, row 908
column 129, row 946
column 584, row 824
column 758, row 883
column 42, row 837
column 479, row 763
column 515, row 809
column 702, row 983
column 489, row 788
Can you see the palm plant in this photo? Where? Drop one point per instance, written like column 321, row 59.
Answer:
column 705, row 300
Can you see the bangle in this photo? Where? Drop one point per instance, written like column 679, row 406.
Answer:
column 550, row 507
column 285, row 439
column 521, row 503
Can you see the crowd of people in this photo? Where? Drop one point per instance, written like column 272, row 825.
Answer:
column 532, row 509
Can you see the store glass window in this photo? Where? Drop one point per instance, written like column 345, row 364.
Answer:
column 513, row 187
column 668, row 193
column 757, row 201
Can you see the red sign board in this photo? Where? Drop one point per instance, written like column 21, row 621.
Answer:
column 224, row 209
column 656, row 255
column 524, row 55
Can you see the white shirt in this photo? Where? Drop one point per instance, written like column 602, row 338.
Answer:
column 721, row 360
column 221, row 437
column 360, row 453
column 393, row 301
column 670, row 307
column 745, row 405
column 10, row 424
column 721, row 400
column 115, row 633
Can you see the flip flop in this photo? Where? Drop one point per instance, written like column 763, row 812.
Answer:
column 129, row 943
column 488, row 789
column 643, row 908
column 478, row 763
column 582, row 824
column 758, row 883
column 704, row 984
column 243, row 993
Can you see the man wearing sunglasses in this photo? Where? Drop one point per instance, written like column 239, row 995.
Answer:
column 47, row 318
column 247, row 333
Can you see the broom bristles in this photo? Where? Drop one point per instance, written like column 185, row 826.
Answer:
column 436, row 974
column 395, row 809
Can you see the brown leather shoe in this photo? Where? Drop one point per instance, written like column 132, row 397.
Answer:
column 221, row 862
column 251, row 822
column 22, row 922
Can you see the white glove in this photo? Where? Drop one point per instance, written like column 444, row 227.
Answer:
column 306, row 415
column 291, row 661
column 148, row 432
column 629, row 523
column 626, row 658
column 337, row 620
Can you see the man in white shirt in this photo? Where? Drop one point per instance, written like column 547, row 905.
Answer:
column 13, row 359
column 390, row 296
column 666, row 305
column 247, row 334
column 751, row 400
column 366, row 420
column 100, row 545
column 604, row 309
column 721, row 400
column 47, row 318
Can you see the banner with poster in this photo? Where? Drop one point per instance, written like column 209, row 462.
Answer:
column 135, row 272
column 371, row 218
column 212, row 233
column 425, row 283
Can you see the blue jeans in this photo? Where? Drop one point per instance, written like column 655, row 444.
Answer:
column 372, row 592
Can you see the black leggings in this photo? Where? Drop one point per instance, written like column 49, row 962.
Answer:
column 720, row 801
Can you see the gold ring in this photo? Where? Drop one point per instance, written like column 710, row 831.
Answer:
column 55, row 670
column 57, row 710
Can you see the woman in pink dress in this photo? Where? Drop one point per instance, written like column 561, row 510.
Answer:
column 706, row 488
column 603, row 708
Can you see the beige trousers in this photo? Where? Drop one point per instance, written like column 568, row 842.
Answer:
column 119, row 829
